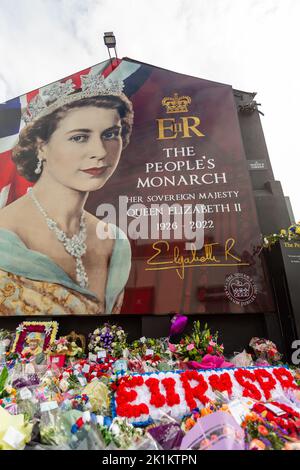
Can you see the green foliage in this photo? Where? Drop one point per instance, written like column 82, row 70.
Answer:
column 3, row 380
column 199, row 343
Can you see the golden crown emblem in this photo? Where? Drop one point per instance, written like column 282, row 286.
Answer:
column 176, row 104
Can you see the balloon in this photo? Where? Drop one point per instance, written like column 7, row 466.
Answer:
column 178, row 324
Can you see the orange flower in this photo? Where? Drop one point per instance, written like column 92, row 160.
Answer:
column 262, row 430
column 205, row 411
column 189, row 424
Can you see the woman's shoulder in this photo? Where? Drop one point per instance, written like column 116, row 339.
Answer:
column 12, row 216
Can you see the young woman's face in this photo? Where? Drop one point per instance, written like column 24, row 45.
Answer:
column 84, row 150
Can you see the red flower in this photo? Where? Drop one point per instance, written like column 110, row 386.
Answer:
column 250, row 390
column 123, row 398
column 194, row 392
column 266, row 381
column 172, row 397
column 285, row 378
column 221, row 382
column 157, row 399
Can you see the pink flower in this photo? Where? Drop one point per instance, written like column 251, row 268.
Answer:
column 190, row 347
column 172, row 347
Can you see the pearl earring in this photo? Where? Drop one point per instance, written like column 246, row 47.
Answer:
column 38, row 169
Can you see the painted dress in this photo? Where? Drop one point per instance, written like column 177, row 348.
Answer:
column 32, row 284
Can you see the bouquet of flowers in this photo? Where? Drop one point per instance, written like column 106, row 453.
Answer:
column 261, row 435
column 265, row 350
column 64, row 347
column 195, row 346
column 5, row 341
column 146, row 347
column 108, row 338
column 121, row 434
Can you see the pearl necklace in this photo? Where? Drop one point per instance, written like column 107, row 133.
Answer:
column 75, row 246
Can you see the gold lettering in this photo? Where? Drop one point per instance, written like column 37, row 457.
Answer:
column 158, row 252
column 208, row 249
column 191, row 127
column 179, row 262
column 228, row 246
column 166, row 125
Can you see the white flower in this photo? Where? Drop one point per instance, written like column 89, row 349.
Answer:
column 97, row 332
column 63, row 384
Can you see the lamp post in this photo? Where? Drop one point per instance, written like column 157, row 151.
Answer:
column 110, row 42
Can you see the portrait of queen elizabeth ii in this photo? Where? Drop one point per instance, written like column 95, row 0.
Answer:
column 51, row 260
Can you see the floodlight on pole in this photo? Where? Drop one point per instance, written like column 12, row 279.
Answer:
column 110, row 42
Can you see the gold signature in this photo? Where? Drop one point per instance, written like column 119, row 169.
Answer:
column 180, row 262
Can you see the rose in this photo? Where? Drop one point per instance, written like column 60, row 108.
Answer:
column 262, row 430
column 190, row 347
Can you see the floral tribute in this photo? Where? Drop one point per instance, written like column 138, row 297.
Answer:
column 199, row 343
column 143, row 397
column 110, row 339
column 271, row 426
column 265, row 350
column 147, row 348
column 64, row 347
column 34, row 337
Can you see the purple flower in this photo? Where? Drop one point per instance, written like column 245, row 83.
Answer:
column 266, row 441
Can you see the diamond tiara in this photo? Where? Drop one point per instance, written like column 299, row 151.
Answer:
column 57, row 94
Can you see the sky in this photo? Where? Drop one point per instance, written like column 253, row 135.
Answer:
column 249, row 44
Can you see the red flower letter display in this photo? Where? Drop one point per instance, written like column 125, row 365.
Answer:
column 142, row 397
